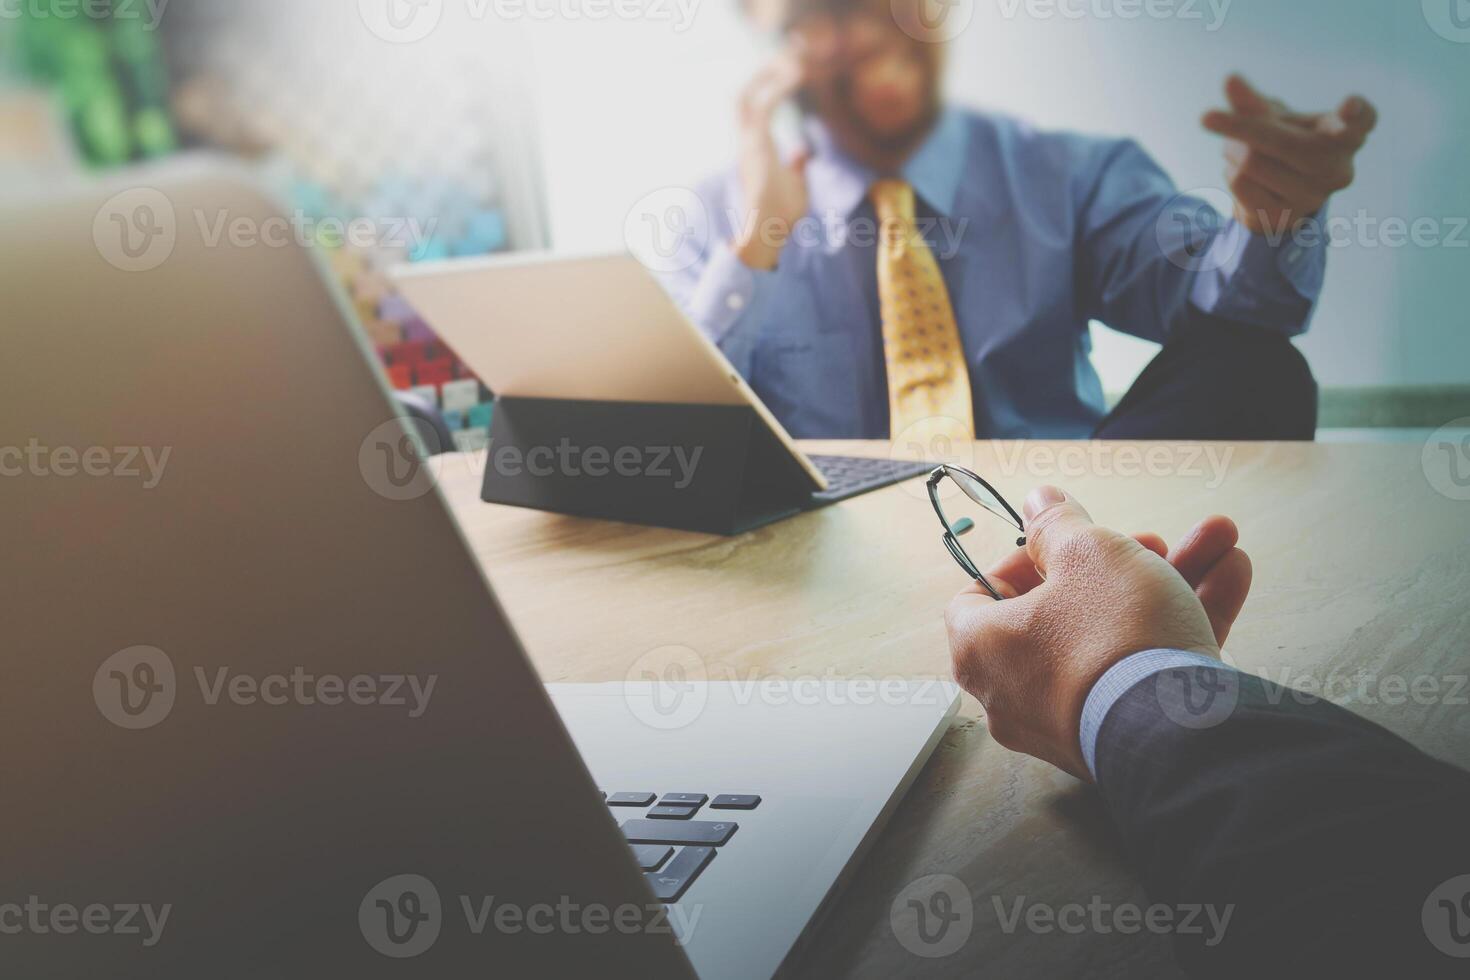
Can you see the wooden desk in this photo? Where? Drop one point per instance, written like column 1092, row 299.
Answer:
column 1360, row 567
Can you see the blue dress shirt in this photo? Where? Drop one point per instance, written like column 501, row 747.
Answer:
column 1036, row 233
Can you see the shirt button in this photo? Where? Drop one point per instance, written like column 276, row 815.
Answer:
column 736, row 302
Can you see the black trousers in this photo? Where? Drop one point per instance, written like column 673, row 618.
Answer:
column 1218, row 380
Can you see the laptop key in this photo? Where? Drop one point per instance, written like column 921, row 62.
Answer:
column 670, row 883
column 662, row 812
column 631, row 799
column 678, row 831
column 735, row 801
column 695, row 800
column 651, row 857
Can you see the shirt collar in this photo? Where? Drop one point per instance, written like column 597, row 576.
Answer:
column 935, row 169
column 839, row 184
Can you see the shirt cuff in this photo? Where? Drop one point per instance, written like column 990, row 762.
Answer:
column 1121, row 678
column 728, row 292
column 1269, row 279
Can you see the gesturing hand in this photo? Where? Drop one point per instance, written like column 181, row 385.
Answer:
column 1080, row 598
column 1282, row 165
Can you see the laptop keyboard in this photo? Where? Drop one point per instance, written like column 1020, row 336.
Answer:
column 849, row 476
column 672, row 847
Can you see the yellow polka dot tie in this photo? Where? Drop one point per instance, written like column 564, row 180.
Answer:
column 928, row 382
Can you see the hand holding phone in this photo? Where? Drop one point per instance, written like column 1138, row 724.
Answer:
column 774, row 188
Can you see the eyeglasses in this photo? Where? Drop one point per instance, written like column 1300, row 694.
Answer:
column 989, row 500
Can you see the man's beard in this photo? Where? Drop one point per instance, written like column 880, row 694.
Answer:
column 883, row 146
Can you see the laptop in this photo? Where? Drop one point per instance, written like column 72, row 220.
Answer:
column 264, row 720
column 601, row 328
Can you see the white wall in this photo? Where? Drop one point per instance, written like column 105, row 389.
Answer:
column 629, row 107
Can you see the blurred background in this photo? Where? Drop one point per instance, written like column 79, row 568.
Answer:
column 487, row 126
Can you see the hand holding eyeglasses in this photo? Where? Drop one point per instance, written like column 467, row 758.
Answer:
column 1076, row 600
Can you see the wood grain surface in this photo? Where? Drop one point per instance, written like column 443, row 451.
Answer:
column 1362, row 573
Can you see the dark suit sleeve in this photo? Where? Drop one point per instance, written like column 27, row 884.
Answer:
column 1326, row 833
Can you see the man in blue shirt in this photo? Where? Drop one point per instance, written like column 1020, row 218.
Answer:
column 1012, row 240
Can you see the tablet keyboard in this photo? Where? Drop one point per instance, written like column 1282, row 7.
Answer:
column 850, row 476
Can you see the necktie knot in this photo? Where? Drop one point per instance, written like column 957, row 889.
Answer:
column 893, row 200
